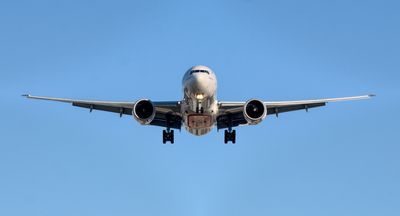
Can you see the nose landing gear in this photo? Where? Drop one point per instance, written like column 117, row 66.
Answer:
column 168, row 135
column 230, row 135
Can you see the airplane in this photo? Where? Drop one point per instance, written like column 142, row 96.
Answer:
column 199, row 110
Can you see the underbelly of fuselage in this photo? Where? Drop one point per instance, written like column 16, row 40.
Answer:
column 199, row 124
column 199, row 118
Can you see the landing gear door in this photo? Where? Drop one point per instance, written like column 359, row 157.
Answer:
column 198, row 121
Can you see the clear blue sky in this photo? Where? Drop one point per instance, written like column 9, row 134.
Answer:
column 342, row 159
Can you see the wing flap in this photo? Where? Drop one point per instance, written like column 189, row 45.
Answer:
column 230, row 120
column 121, row 110
column 288, row 108
column 168, row 120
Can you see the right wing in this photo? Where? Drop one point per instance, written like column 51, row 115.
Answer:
column 110, row 106
column 167, row 112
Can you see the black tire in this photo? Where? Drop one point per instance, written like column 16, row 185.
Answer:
column 226, row 137
column 164, row 140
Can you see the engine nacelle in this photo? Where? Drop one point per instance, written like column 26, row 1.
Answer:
column 144, row 111
column 254, row 111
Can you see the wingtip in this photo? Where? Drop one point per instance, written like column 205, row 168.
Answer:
column 26, row 95
column 372, row 95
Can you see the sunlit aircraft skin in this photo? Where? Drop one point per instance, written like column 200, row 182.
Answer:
column 199, row 111
column 199, row 105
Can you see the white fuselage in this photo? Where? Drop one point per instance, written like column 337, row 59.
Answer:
column 199, row 105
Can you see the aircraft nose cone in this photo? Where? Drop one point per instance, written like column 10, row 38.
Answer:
column 202, row 84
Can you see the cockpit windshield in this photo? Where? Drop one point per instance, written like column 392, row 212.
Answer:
column 199, row 71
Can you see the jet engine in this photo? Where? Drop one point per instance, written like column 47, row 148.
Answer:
column 144, row 111
column 254, row 111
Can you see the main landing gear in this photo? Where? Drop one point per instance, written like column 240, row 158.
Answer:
column 230, row 135
column 168, row 135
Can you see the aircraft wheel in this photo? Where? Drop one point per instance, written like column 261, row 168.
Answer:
column 230, row 136
column 164, row 139
column 168, row 136
column 171, row 136
column 233, row 136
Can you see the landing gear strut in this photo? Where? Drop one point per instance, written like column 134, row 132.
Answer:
column 230, row 135
column 168, row 135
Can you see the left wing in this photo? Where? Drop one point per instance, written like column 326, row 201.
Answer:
column 231, row 113
column 276, row 107
column 167, row 113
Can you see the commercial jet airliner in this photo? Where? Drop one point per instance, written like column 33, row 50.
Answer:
column 199, row 110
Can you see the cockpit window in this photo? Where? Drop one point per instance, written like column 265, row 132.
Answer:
column 199, row 71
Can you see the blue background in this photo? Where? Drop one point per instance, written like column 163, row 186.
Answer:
column 342, row 159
